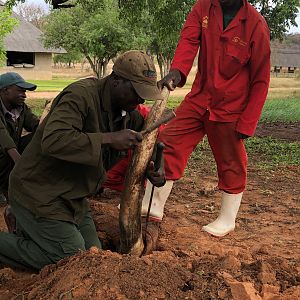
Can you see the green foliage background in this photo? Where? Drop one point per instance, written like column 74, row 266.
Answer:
column 7, row 23
column 94, row 30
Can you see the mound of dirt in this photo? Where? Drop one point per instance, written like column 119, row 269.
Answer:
column 98, row 274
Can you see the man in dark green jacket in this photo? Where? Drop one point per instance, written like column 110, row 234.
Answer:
column 90, row 122
column 15, row 116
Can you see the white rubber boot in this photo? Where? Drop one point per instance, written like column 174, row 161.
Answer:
column 159, row 199
column 225, row 222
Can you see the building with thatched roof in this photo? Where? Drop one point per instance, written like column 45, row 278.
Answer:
column 285, row 59
column 26, row 53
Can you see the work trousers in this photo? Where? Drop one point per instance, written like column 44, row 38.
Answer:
column 41, row 241
column 182, row 135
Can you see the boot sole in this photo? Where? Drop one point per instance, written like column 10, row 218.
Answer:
column 217, row 235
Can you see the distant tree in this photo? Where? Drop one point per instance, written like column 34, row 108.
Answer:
column 69, row 58
column 279, row 14
column 161, row 22
column 98, row 33
column 7, row 24
column 33, row 13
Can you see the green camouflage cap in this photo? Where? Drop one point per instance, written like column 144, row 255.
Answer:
column 139, row 68
column 12, row 78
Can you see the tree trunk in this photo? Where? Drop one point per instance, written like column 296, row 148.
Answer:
column 164, row 64
column 105, row 64
column 131, row 240
column 92, row 64
column 160, row 64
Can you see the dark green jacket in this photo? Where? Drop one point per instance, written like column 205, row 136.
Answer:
column 65, row 161
column 10, row 137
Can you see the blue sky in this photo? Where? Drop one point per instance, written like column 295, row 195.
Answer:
column 292, row 30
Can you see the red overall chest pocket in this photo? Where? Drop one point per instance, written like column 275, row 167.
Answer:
column 234, row 55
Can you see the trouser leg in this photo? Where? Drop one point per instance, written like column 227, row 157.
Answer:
column 20, row 252
column 231, row 158
column 116, row 175
column 181, row 136
column 88, row 231
column 43, row 241
column 230, row 155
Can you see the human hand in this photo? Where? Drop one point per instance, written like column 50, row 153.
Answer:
column 156, row 176
column 155, row 170
column 123, row 139
column 171, row 80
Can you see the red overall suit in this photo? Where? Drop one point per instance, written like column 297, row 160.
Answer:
column 228, row 92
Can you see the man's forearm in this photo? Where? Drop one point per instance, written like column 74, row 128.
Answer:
column 106, row 138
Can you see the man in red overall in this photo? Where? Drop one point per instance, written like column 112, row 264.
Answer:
column 225, row 102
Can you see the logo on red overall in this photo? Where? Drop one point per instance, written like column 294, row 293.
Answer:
column 237, row 40
column 205, row 22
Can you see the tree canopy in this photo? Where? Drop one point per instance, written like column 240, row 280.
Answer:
column 7, row 23
column 33, row 13
column 98, row 33
column 161, row 22
column 279, row 14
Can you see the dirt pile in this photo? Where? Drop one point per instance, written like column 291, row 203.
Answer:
column 163, row 275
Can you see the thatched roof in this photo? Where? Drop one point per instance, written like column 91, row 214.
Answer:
column 26, row 38
column 286, row 57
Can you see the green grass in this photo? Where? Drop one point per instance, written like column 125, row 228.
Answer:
column 54, row 85
column 174, row 101
column 264, row 153
column 36, row 105
column 271, row 152
column 283, row 110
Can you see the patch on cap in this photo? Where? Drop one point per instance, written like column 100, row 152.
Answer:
column 150, row 74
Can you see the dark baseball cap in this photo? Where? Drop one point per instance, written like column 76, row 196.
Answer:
column 139, row 68
column 12, row 78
